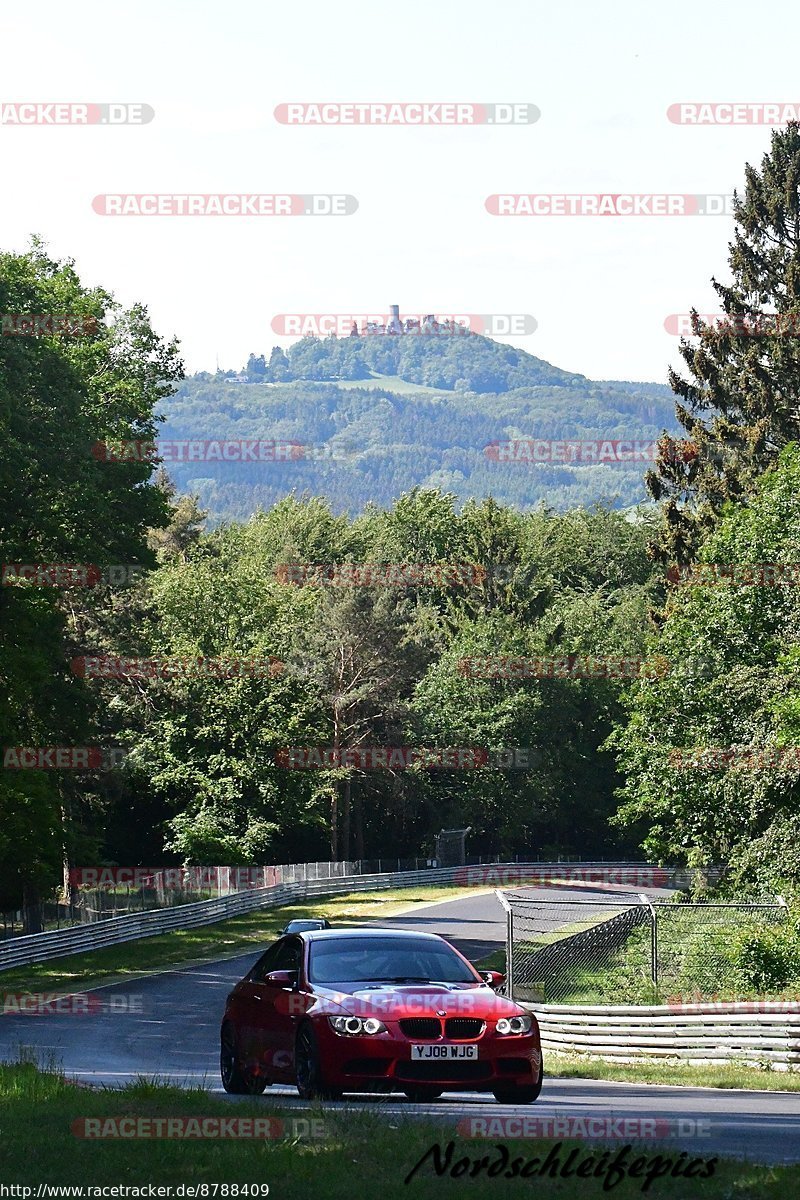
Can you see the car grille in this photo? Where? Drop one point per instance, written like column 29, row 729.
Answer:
column 367, row 1066
column 421, row 1027
column 464, row 1028
column 440, row 1070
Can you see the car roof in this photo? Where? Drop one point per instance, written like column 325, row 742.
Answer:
column 318, row 935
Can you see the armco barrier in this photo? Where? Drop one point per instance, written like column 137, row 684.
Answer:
column 39, row 947
column 766, row 1032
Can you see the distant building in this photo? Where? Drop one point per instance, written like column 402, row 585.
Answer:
column 396, row 327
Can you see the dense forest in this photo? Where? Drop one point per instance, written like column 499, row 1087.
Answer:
column 372, row 443
column 687, row 753
column 442, row 358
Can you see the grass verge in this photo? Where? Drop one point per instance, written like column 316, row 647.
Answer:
column 729, row 1075
column 250, row 931
column 364, row 1152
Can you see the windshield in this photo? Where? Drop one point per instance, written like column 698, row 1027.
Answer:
column 386, row 960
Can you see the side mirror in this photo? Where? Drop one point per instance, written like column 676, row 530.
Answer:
column 282, row 979
column 494, row 978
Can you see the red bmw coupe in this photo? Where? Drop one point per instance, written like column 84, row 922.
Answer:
column 356, row 1010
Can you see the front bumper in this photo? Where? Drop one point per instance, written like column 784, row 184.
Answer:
column 383, row 1061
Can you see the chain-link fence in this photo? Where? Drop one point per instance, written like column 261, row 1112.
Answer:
column 631, row 950
column 163, row 887
column 707, row 949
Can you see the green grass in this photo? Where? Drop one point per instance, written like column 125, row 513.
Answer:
column 248, row 932
column 697, row 958
column 728, row 1075
column 362, row 1153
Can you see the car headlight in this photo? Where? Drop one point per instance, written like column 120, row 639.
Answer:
column 514, row 1025
column 356, row 1025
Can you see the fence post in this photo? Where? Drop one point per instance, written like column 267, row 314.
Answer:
column 509, row 943
column 653, row 943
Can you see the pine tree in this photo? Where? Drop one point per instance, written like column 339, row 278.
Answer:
column 739, row 404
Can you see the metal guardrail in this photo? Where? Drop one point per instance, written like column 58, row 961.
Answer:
column 755, row 1033
column 40, row 947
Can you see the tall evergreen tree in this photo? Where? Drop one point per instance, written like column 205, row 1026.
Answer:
column 739, row 403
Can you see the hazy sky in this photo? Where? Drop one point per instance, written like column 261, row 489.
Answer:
column 603, row 77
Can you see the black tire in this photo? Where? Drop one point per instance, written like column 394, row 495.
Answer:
column 422, row 1094
column 236, row 1078
column 520, row 1095
column 308, row 1073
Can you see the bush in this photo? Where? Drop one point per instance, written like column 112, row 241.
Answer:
column 769, row 959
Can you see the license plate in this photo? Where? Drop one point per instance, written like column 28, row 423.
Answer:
column 443, row 1051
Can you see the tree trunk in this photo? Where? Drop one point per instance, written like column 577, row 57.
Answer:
column 66, row 887
column 31, row 909
column 346, row 819
column 359, row 816
column 335, row 825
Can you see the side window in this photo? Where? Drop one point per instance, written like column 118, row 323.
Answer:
column 266, row 963
column 290, row 955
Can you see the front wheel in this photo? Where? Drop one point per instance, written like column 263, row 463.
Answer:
column 308, row 1075
column 236, row 1078
column 520, row 1095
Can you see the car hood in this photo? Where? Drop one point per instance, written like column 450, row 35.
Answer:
column 417, row 1000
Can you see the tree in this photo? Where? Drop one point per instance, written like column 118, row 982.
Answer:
column 732, row 687
column 361, row 656
column 185, row 525
column 278, row 370
column 65, row 398
column 738, row 405
column 256, row 367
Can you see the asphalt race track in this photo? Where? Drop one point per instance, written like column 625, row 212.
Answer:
column 167, row 1026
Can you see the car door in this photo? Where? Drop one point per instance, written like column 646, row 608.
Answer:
column 285, row 1006
column 252, row 1010
column 270, row 1019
